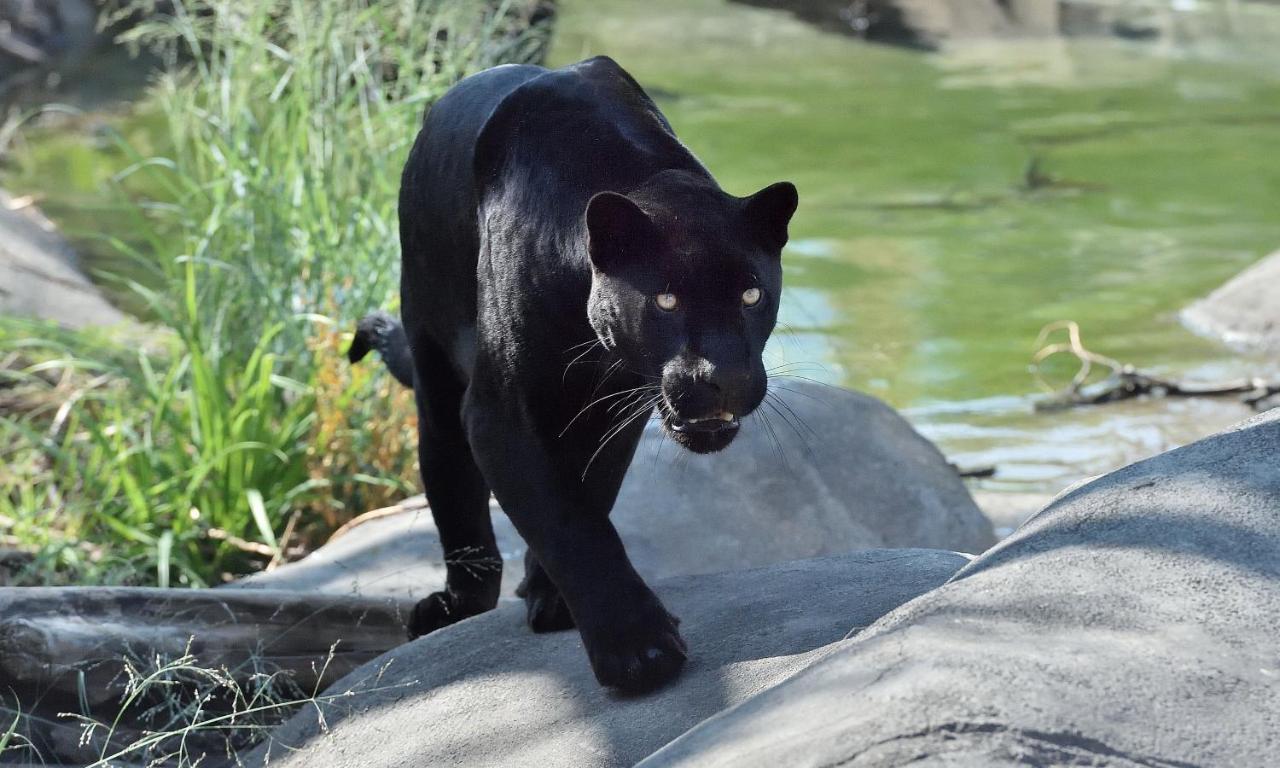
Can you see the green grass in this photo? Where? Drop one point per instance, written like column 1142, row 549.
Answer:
column 260, row 230
column 175, row 711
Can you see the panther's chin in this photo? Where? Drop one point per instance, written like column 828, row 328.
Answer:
column 700, row 435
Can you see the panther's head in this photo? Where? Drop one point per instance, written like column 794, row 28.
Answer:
column 685, row 287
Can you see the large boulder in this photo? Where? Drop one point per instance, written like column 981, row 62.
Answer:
column 487, row 692
column 1131, row 623
column 1245, row 311
column 834, row 471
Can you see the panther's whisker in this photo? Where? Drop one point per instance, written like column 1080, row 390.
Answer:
column 809, row 395
column 773, row 438
column 612, row 369
column 578, row 359
column 626, row 417
column 614, row 433
column 618, row 430
column 804, row 442
column 806, row 378
column 662, row 438
column 577, row 415
column 790, row 368
column 623, row 404
column 592, row 342
column 800, row 419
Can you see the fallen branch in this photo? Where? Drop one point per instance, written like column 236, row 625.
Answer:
column 978, row 472
column 251, row 547
column 1126, row 382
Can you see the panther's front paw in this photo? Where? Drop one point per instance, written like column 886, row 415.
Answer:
column 639, row 653
column 547, row 611
column 440, row 609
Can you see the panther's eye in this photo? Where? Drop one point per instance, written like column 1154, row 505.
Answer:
column 751, row 297
column 666, row 301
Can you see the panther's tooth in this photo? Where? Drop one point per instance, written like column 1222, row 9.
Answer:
column 726, row 416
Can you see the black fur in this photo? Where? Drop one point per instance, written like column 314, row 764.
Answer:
column 541, row 215
column 380, row 331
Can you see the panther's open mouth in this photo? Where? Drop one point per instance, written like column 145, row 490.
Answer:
column 703, row 434
column 719, row 422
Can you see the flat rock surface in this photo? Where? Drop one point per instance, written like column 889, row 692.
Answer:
column 1131, row 623
column 1245, row 311
column 488, row 692
column 849, row 473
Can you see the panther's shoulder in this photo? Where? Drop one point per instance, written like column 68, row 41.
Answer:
column 592, row 107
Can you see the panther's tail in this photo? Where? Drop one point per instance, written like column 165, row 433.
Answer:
column 380, row 331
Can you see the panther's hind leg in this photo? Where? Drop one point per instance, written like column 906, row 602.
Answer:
column 545, row 607
column 459, row 499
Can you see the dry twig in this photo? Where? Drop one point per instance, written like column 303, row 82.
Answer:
column 1126, row 382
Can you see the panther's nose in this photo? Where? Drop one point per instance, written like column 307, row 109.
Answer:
column 698, row 388
column 728, row 379
column 695, row 400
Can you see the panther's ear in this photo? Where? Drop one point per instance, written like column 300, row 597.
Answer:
column 617, row 230
column 769, row 211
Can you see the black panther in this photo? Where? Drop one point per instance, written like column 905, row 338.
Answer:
column 569, row 267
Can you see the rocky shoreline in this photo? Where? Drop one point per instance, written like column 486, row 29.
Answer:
column 1245, row 312
column 932, row 24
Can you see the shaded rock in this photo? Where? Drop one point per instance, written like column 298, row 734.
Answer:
column 1244, row 312
column 845, row 472
column 65, row 649
column 932, row 24
column 1131, row 623
column 852, row 474
column 12, row 563
column 39, row 276
column 487, row 692
column 924, row 23
column 38, row 34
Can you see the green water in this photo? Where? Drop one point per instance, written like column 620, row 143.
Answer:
column 923, row 263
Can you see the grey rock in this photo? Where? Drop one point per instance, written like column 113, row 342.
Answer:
column 933, row 24
column 487, row 692
column 40, row 32
column 1130, row 623
column 395, row 554
column 39, row 275
column 925, row 23
column 845, row 472
column 849, row 473
column 1245, row 311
